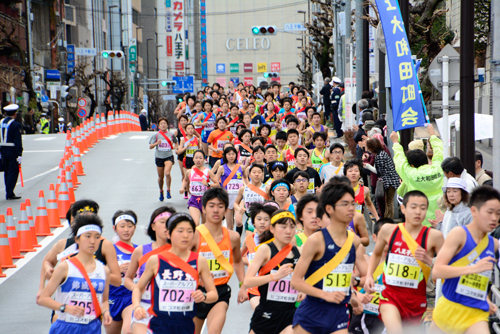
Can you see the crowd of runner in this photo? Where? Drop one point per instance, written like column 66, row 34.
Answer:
column 260, row 168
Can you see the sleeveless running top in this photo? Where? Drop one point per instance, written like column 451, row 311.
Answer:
column 402, row 274
column 146, row 296
column 352, row 228
column 289, row 157
column 210, row 123
column 172, row 291
column 250, row 196
column 243, row 153
column 279, row 295
column 196, row 186
column 360, row 199
column 236, row 181
column 300, row 238
column 340, row 278
column 316, row 161
column 121, row 291
column 192, row 147
column 220, row 275
column 75, row 291
column 470, row 290
column 251, row 245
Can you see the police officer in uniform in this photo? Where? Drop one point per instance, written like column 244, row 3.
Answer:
column 45, row 125
column 335, row 106
column 11, row 148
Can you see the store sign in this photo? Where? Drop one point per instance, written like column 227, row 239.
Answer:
column 248, row 67
column 234, row 68
column 248, row 81
column 255, row 43
column 275, row 67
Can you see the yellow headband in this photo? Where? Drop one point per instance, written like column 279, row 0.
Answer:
column 279, row 216
column 86, row 209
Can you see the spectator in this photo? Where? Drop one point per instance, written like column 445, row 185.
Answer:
column 143, row 119
column 29, row 122
column 364, row 106
column 417, row 174
column 452, row 167
column 458, row 213
column 481, row 175
column 326, row 91
column 385, row 169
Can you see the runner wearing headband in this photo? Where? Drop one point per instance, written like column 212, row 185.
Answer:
column 280, row 191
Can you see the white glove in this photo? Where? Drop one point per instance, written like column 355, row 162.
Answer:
column 19, row 159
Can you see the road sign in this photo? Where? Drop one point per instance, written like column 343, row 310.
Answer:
column 169, row 97
column 45, row 98
column 70, row 48
column 53, row 92
column 82, row 103
column 295, row 27
column 183, row 85
column 82, row 113
column 435, row 72
column 153, row 126
column 91, row 52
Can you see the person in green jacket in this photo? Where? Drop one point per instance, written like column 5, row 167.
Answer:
column 416, row 173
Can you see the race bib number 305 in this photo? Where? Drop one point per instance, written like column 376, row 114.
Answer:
column 402, row 271
column 281, row 290
column 175, row 296
column 339, row 279
column 215, row 267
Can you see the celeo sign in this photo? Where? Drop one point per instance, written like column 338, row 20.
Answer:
column 255, row 43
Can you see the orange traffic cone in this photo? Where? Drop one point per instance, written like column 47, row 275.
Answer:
column 63, row 202
column 93, row 132
column 68, row 139
column 52, row 211
column 12, row 234
column 74, row 177
column 69, row 182
column 1, row 271
column 84, row 137
column 98, row 130
column 32, row 224
column 78, row 160
column 24, row 233
column 42, row 226
column 104, row 126
column 5, row 257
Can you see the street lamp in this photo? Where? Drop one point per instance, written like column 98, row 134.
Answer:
column 111, row 48
column 136, row 81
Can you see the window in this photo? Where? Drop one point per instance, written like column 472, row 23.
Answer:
column 135, row 17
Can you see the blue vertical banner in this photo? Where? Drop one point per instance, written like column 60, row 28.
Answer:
column 407, row 108
column 203, row 25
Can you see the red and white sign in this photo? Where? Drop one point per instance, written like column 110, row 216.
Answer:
column 275, row 67
column 169, row 46
column 178, row 36
column 248, row 81
column 278, row 79
column 82, row 102
column 248, row 67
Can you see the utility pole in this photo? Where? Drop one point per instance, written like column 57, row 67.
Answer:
column 347, row 11
column 467, row 140
column 366, row 49
column 405, row 135
column 495, row 80
column 111, row 60
column 30, row 39
column 359, row 55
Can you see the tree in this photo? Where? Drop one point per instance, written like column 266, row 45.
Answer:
column 86, row 85
column 10, row 41
column 319, row 42
column 117, row 87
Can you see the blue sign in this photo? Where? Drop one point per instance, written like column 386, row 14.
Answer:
column 204, row 54
column 408, row 110
column 71, row 56
column 71, row 66
column 236, row 81
column 70, row 48
column 153, row 126
column 220, row 68
column 82, row 113
column 52, row 75
column 183, row 85
column 45, row 98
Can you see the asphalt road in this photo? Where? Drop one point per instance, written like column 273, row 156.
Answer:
column 120, row 174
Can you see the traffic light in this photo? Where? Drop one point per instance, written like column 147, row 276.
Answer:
column 264, row 30
column 271, row 75
column 64, row 91
column 112, row 54
column 168, row 83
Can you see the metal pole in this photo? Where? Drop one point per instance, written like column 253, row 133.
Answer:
column 30, row 40
column 406, row 135
column 467, row 142
column 495, row 82
column 347, row 10
column 126, row 64
column 381, row 87
column 111, row 60
column 366, row 50
column 359, row 55
column 446, row 125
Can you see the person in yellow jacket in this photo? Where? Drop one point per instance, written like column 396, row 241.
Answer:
column 416, row 173
column 44, row 125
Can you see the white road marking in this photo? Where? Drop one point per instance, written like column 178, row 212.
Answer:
column 128, row 159
column 44, row 138
column 43, row 151
column 112, row 137
column 29, row 256
column 37, row 176
column 138, row 137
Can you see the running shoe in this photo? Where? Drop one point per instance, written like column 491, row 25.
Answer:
column 168, row 194
column 161, row 196
column 185, row 195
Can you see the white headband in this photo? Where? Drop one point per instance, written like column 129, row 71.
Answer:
column 88, row 228
column 125, row 217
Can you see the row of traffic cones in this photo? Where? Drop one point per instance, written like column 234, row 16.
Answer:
column 22, row 238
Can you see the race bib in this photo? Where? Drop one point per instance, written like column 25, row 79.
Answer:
column 250, row 257
column 233, row 130
column 281, row 290
column 175, row 296
column 164, row 146
column 291, row 164
column 301, row 116
column 474, row 285
column 339, row 279
column 146, row 296
column 123, row 274
column 190, row 151
column 221, row 143
column 210, row 126
column 359, row 207
column 310, row 187
column 197, row 188
column 216, row 269
column 402, row 271
column 373, row 305
column 233, row 186
column 82, row 299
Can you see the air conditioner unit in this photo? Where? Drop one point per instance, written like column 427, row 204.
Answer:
column 69, row 15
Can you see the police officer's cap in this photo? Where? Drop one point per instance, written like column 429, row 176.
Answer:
column 11, row 107
column 61, row 119
column 336, row 80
